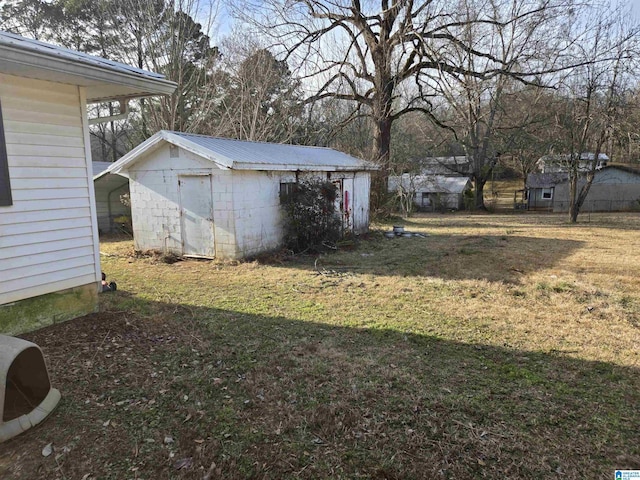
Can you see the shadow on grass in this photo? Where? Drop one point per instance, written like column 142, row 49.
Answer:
column 495, row 258
column 161, row 390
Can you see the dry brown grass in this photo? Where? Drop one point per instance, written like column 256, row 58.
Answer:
column 497, row 347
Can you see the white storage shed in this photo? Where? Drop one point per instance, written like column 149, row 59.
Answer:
column 49, row 252
column 216, row 197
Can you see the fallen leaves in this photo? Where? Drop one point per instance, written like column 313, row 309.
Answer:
column 184, row 463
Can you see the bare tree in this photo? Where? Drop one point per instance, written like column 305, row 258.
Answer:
column 595, row 94
column 259, row 98
column 382, row 59
column 527, row 129
column 524, row 43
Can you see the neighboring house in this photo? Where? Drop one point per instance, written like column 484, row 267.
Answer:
column 439, row 183
column 109, row 188
column 433, row 192
column 49, row 252
column 614, row 188
column 211, row 197
column 560, row 163
column 540, row 189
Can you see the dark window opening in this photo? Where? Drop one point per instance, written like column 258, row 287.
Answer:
column 5, row 185
column 286, row 191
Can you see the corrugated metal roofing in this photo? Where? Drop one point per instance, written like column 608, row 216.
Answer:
column 17, row 41
column 448, row 184
column 244, row 154
column 431, row 183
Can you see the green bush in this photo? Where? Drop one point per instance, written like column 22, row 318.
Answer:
column 311, row 219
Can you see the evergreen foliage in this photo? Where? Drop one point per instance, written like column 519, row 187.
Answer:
column 311, row 219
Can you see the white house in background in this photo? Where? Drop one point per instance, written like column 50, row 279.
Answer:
column 560, row 163
column 432, row 192
column 109, row 187
column 49, row 253
column 216, row 197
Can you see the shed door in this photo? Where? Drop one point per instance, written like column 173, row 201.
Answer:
column 347, row 204
column 344, row 202
column 196, row 215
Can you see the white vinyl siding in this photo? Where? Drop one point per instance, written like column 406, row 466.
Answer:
column 46, row 237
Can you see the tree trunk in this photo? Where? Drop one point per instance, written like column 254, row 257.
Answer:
column 381, row 155
column 479, row 194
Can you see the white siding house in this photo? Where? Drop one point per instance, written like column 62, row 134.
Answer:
column 49, row 251
column 215, row 197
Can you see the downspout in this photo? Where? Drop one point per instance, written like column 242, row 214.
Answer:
column 124, row 113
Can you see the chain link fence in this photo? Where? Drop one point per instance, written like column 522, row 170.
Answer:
column 587, row 206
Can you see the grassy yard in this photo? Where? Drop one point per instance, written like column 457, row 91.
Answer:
column 499, row 346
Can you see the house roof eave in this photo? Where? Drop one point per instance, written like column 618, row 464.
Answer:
column 103, row 80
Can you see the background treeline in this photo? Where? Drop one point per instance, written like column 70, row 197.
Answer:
column 501, row 81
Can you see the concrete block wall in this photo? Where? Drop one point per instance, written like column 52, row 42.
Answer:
column 155, row 197
column 223, row 217
column 256, row 203
column 155, row 211
column 246, row 203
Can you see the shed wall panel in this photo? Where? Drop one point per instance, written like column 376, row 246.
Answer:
column 155, row 201
column 256, row 206
column 601, row 197
column 361, row 189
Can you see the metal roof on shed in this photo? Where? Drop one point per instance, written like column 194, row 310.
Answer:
column 244, row 155
column 430, row 183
